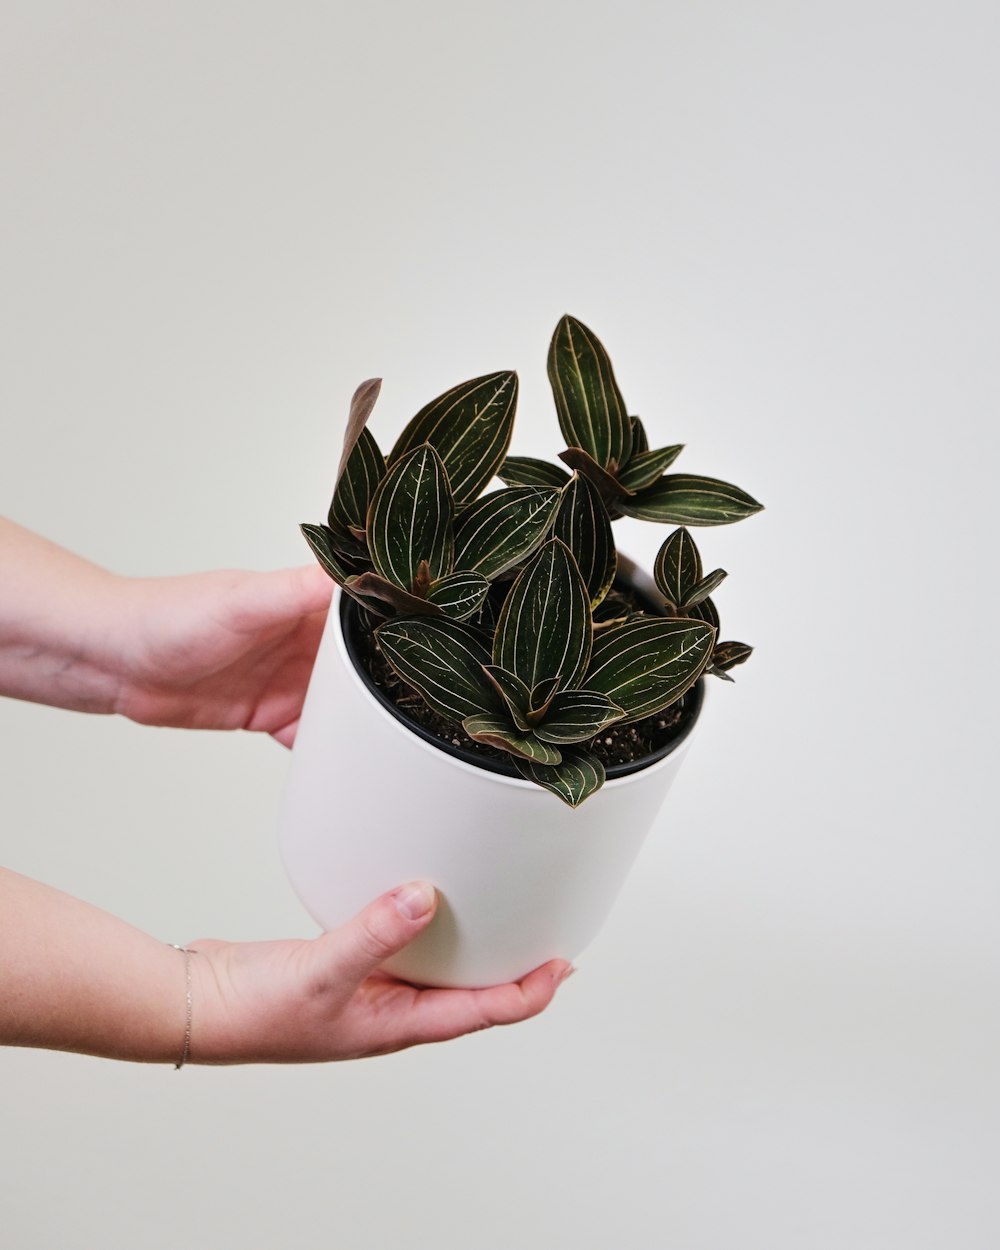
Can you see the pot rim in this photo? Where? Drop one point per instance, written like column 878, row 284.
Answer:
column 617, row 774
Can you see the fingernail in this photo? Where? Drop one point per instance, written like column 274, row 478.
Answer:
column 565, row 975
column 415, row 900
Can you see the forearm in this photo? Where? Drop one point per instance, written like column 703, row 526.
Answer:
column 75, row 978
column 56, row 616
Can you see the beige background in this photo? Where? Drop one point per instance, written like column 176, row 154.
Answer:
column 216, row 219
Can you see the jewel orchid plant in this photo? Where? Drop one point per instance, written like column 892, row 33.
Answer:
column 500, row 609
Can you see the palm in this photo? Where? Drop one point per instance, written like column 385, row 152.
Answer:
column 292, row 1001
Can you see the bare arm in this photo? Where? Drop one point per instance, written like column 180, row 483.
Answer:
column 218, row 650
column 225, row 650
column 56, row 616
column 75, row 978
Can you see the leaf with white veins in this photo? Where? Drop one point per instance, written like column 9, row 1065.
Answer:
column 644, row 469
column 648, row 663
column 357, row 484
column 541, row 697
column 500, row 732
column 683, row 499
column 583, row 524
column 319, row 539
column 443, row 661
column 515, row 694
column 677, row 568
column 527, row 471
column 640, row 442
column 573, row 779
column 410, row 520
column 544, row 628
column 470, row 427
column 727, row 655
column 591, row 411
column 503, row 528
column 704, row 588
column 576, row 715
column 459, row 595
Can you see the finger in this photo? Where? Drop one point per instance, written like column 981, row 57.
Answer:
column 347, row 955
column 286, row 734
column 440, row 1015
column 266, row 598
column 309, row 587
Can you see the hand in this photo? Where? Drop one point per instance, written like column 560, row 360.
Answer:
column 220, row 650
column 76, row 978
column 312, row 1001
column 207, row 651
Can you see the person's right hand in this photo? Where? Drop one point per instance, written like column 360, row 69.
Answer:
column 316, row 1000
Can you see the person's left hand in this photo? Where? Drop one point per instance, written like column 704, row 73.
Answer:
column 224, row 650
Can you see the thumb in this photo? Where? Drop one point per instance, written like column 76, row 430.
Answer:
column 384, row 927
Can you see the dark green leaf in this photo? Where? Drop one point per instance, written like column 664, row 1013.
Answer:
column 352, row 550
column 515, row 694
column 386, row 598
column 640, row 442
column 357, row 484
column 704, row 588
column 644, row 469
column 583, row 524
column 503, row 528
column 362, row 403
column 486, row 618
column 682, row 499
column 613, row 609
column 584, row 464
column 443, row 661
column 576, row 715
column 411, row 520
column 704, row 611
column 459, row 595
column 591, row 411
column 727, row 655
column 499, row 731
column 469, row 427
column 612, row 622
column 320, row 540
column 541, row 697
column 544, row 627
column 574, row 779
column 677, row 568
column 648, row 663
column 526, row 471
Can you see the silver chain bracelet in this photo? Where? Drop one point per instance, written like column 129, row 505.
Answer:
column 188, row 1001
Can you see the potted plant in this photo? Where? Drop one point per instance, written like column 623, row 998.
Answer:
column 500, row 702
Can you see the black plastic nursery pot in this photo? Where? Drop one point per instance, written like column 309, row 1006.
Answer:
column 669, row 739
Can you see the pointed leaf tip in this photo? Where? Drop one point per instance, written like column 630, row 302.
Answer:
column 592, row 414
column 684, row 499
column 575, row 778
column 362, row 403
column 470, row 427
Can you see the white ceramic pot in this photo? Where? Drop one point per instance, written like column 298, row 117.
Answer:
column 522, row 877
